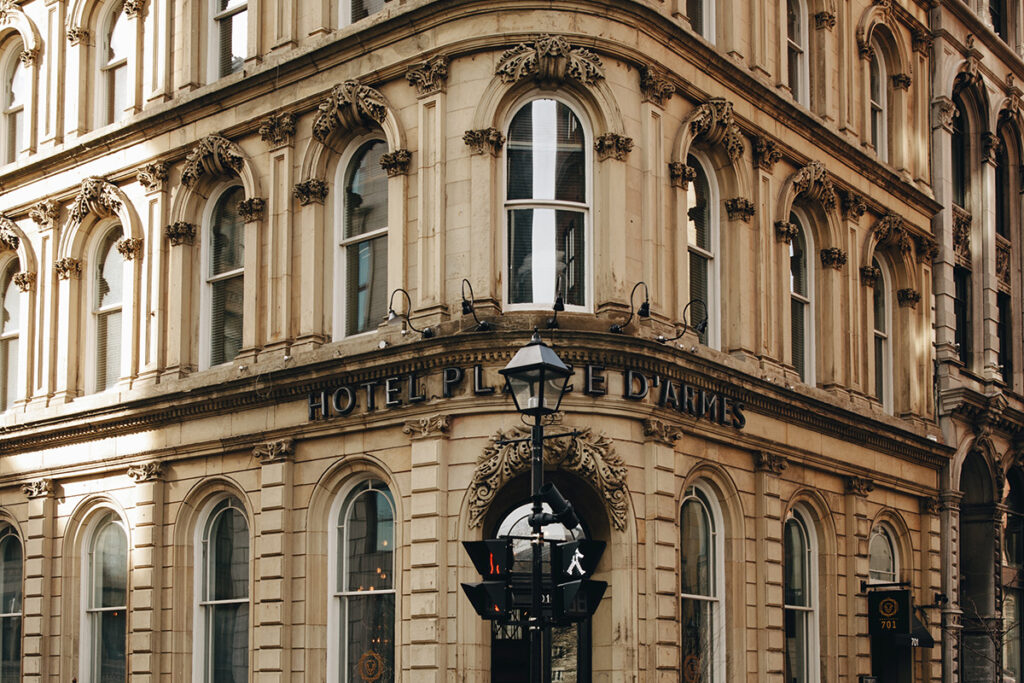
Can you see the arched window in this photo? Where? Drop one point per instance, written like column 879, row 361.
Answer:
column 228, row 37
column 354, row 10
column 796, row 50
column 801, row 288
column 879, row 103
column 958, row 143
column 362, row 258
column 16, row 93
column 882, row 317
column 1002, row 199
column 702, row 18
column 702, row 242
column 10, row 329
column 114, row 89
column 224, row 255
column 10, row 607
column 362, row 594
column 547, row 205
column 106, row 603
column 701, row 587
column 800, row 598
column 222, row 616
column 107, row 286
column 883, row 561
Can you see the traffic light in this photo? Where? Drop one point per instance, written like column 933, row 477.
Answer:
column 577, row 600
column 493, row 559
column 574, row 560
column 576, row 596
column 490, row 599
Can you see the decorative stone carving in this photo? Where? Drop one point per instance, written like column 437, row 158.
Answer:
column 484, row 140
column 428, row 77
column 869, row 275
column 859, row 486
column 662, row 432
column 925, row 248
column 825, row 20
column 612, row 146
column 930, row 505
column 133, row 8
column 8, row 10
column 28, row 57
column 833, row 257
column 681, row 175
column 9, row 240
column 655, row 86
column 78, row 35
column 863, row 46
column 922, row 41
column 853, row 206
column 25, row 280
column 152, row 176
column 310, row 191
column 147, row 471
column 962, row 234
column 551, row 59
column 426, row 427
column 40, row 488
column 766, row 153
column 67, row 268
column 1003, row 264
column 990, row 144
column 813, row 182
column 764, row 461
column 252, row 209
column 586, row 454
column 970, row 70
column 97, row 197
column 943, row 113
column 786, row 231
column 215, row 156
column 45, row 214
column 714, row 121
column 396, row 163
column 908, row 297
column 130, row 247
column 892, row 233
column 901, row 81
column 741, row 208
column 180, row 232
column 349, row 106
column 277, row 129
column 274, row 451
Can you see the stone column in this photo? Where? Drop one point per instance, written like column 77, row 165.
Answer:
column 942, row 115
column 144, row 644
column 46, row 215
column 931, row 576
column 180, row 237
column 278, row 131
column 431, row 181
column 51, row 102
column 38, row 657
column 610, row 246
column 983, row 266
column 151, row 307
column 858, row 527
column 69, row 274
column 768, row 563
column 949, row 520
column 312, row 223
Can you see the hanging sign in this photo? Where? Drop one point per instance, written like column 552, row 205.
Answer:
column 889, row 612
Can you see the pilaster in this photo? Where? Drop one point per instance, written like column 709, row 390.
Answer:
column 278, row 132
column 313, row 223
column 54, row 82
column 858, row 527
column 38, row 618
column 147, row 565
column 430, row 202
column 952, row 624
column 768, row 565
column 152, row 309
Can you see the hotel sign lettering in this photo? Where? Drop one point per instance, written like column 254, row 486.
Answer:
column 409, row 389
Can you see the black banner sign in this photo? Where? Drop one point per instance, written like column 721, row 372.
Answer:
column 889, row 612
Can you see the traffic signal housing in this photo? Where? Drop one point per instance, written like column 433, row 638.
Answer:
column 493, row 559
column 576, row 595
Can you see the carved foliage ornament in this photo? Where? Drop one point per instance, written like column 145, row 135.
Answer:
column 25, row 280
column 130, row 247
column 926, row 249
column 428, row 77
column 40, row 488
column 613, row 146
column 133, row 8
column 740, row 208
column 833, row 257
column 45, row 213
column 8, row 8
column 786, row 231
column 859, row 486
column 151, row 176
column 764, row 461
column 550, row 59
column 9, row 240
column 348, row 106
column 714, row 121
column 278, row 128
column 147, row 471
column 943, row 113
column 484, row 140
column 67, row 268
column 28, row 57
column 396, row 163
column 853, row 206
column 97, row 197
column 681, row 175
column 922, row 41
column 825, row 20
column 869, row 275
column 962, row 234
column 901, row 81
column 813, row 182
column 908, row 297
column 655, row 86
column 180, row 232
column 310, row 191
column 892, row 233
column 1003, row 264
column 425, row 427
column 77, row 35
column 274, row 451
column 215, row 156
column 662, row 432
column 252, row 209
column 588, row 455
column 766, row 153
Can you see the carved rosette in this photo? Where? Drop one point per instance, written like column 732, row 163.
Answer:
column 714, row 121
column 901, row 81
column 739, row 208
column 869, row 275
column 152, row 176
column 662, row 432
column 853, row 206
column 180, row 232
column 428, row 427
column 766, row 153
column 67, row 268
column 428, row 77
column 655, row 86
column 681, row 175
column 833, row 257
column 588, row 455
column 348, row 106
column 891, row 233
column 45, row 214
column 77, row 35
column 786, row 231
column 926, row 249
column 97, row 197
column 396, row 163
column 28, row 57
column 765, row 461
column 310, row 191
column 147, row 471
column 813, row 182
column 9, row 240
column 908, row 297
column 825, row 20
column 39, row 488
column 613, row 146
column 551, row 59
column 859, row 486
column 25, row 280
column 215, row 156
column 270, row 452
column 133, row 8
column 277, row 129
column 130, row 248
column 962, row 235
column 1003, row 264
column 484, row 141
column 251, row 210
column 943, row 112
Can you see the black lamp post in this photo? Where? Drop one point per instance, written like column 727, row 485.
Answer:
column 537, row 379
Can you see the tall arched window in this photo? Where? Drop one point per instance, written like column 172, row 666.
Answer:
column 222, row 652
column 107, row 285
column 547, row 205
column 224, row 255
column 106, row 603
column 702, row 242
column 882, row 317
column 701, row 14
column 800, row 599
column 879, row 103
column 796, row 50
column 354, row 10
column 362, row 594
column 960, row 157
column 701, row 588
column 801, row 288
column 113, row 65
column 883, row 561
column 229, row 36
column 10, row 606
column 10, row 330
column 362, row 259
column 16, row 93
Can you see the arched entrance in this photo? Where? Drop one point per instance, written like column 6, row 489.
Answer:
column 980, row 638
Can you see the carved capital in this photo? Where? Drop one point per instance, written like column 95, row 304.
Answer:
column 814, row 182
column 98, row 197
column 133, row 8
column 252, row 209
column 152, row 176
column 45, row 214
column 613, row 146
column 428, row 77
column 655, row 86
column 853, row 206
column 908, row 297
column 130, row 248
column 274, row 451
column 396, row 163
column 901, row 81
column 943, row 112
column 77, row 35
column 662, row 432
column 180, row 232
column 962, row 235
column 215, row 156
column 550, row 60
column 39, row 488
column 891, row 233
column 9, row 240
column 859, row 486
column 681, row 175
column 428, row 427
column 922, row 41
column 147, row 471
column 786, row 231
column 714, row 121
column 930, row 505
column 739, row 208
column 869, row 275
column 28, row 57
column 277, row 129
column 349, row 105
column 990, row 144
column 825, row 20
column 766, row 153
column 67, row 268
column 833, row 257
column 765, row 461
column 25, row 280
column 484, row 141
column 926, row 249
column 1003, row 264
column 312, row 191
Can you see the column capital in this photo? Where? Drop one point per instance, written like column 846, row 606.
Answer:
column 280, row 450
column 146, row 471
column 436, row 426
column 39, row 488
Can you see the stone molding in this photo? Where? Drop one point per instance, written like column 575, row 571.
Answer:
column 891, row 232
column 766, row 461
column 428, row 427
column 77, row 35
column 28, row 57
column 943, row 113
column 67, row 268
column 45, row 214
column 279, row 450
column 833, row 257
column 680, row 175
column 549, row 59
column 921, row 41
column 1003, row 264
column 869, row 275
column 613, row 146
column 133, row 8
column 147, row 471
column 130, row 247
column 181, row 232
column 39, row 488
column 152, row 175
column 740, row 208
column 814, row 182
column 655, row 87
column 25, row 280
column 484, row 140
column 908, row 298
column 251, row 210
column 766, row 153
column 312, row 191
column 428, row 77
column 96, row 196
column 348, row 106
column 277, row 129
column 990, row 145
column 662, row 432
column 215, row 156
column 859, row 486
column 925, row 248
column 396, row 163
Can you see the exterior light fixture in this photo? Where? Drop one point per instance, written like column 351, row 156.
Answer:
column 699, row 328
column 643, row 312
column 536, row 378
column 426, row 332
column 468, row 308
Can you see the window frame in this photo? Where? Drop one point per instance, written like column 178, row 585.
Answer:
column 345, row 13
column 9, row 63
column 92, row 380
column 105, row 116
column 88, row 661
column 886, row 532
column 878, row 121
column 207, row 280
column 887, row 370
column 808, row 299
column 801, row 93
column 706, row 498
column 8, row 534
column 708, row 23
column 11, row 267
column 713, row 257
column 811, row 651
column 215, row 46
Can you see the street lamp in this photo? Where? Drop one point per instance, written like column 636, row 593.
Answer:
column 537, row 380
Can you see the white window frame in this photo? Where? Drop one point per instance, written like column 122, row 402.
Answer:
column 92, row 345
column 88, row 643
column 215, row 48
column 714, row 510
column 206, row 299
column 7, row 337
column 707, row 31
column 345, row 13
column 806, row 521
column 335, row 632
column 12, row 148
column 104, row 85
column 587, row 209
column 8, row 531
column 879, row 108
column 801, row 93
column 714, row 306
column 810, row 350
column 884, row 281
column 886, row 531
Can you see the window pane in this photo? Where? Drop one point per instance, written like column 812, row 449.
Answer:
column 370, row 642
column 793, row 22
column 1004, row 332
column 230, row 539
column 14, row 134
column 797, row 262
column 119, row 39
column 546, row 153
column 695, row 11
column 109, row 271
column 17, row 87
column 117, row 98
column 233, row 38
column 962, row 313
column 10, row 593
column 696, row 549
column 370, row 543
column 9, row 358
column 698, row 640
column 11, row 322
column 796, row 588
column 796, row 646
column 226, row 339
column 546, row 253
column 108, row 349
column 112, row 632
column 699, row 286
column 880, row 368
column 1002, row 202
column 959, row 151
column 366, row 191
column 227, row 248
column 229, row 4
column 878, row 301
column 698, row 208
column 366, row 271
column 799, row 337
column 1012, row 634
column 882, row 563
column 110, row 567
column 229, row 643
column 10, row 649
column 364, row 8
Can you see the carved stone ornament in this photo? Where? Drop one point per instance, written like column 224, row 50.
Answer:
column 922, row 41
column 310, row 191
column 484, row 141
column 739, row 208
column 67, row 268
column 28, row 57
column 274, row 451
column 550, row 59
column 662, row 432
column 681, row 175
column 813, row 182
column 786, row 231
column 655, row 86
column 892, row 233
column 278, row 128
column 765, row 461
column 853, row 206
column 901, row 81
column 348, row 106
column 180, row 232
column 252, row 209
column 613, row 146
column 396, row 163
column 1003, row 264
column 78, row 35
column 864, row 48
column 8, row 8
column 45, row 214
column 133, row 8
column 147, row 471
column 926, row 249
column 130, row 248
column 214, row 156
column 869, row 275
column 766, row 153
column 833, row 257
column 943, row 113
column 826, row 20
column 9, row 240
column 962, row 235
column 859, row 486
column 40, row 488
column 152, row 176
column 25, row 280
column 714, row 121
column 930, row 505
column 588, row 455
column 990, row 144
column 428, row 77
column 970, row 70
column 427, row 427
column 908, row 297
column 97, row 197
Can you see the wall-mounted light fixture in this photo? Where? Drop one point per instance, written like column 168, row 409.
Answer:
column 700, row 327
column 426, row 332
column 643, row 312
column 468, row 308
